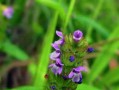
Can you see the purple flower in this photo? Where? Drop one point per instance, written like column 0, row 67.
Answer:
column 54, row 55
column 55, row 46
column 53, row 87
column 71, row 58
column 57, row 67
column 77, row 35
column 59, row 42
column 76, row 75
column 8, row 12
column 59, row 34
column 90, row 49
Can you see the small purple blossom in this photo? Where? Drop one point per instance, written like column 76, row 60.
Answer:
column 57, row 67
column 76, row 75
column 53, row 87
column 90, row 49
column 77, row 35
column 8, row 12
column 56, row 44
column 54, row 55
column 59, row 34
column 71, row 58
column 60, row 41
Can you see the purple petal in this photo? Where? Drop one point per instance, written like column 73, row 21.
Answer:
column 77, row 35
column 76, row 78
column 80, row 68
column 59, row 42
column 59, row 34
column 8, row 12
column 55, row 69
column 60, row 71
column 51, row 65
column 55, row 46
column 54, row 55
column 71, row 74
column 58, row 61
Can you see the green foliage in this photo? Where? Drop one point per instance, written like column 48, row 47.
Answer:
column 104, row 57
column 97, row 19
column 111, row 76
column 25, row 88
column 44, row 57
column 14, row 51
column 86, row 87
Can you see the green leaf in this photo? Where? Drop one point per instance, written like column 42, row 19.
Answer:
column 68, row 15
column 111, row 77
column 25, row 88
column 44, row 55
column 14, row 51
column 86, row 87
column 88, row 21
column 104, row 57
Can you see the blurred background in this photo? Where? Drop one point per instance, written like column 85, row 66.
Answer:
column 27, row 29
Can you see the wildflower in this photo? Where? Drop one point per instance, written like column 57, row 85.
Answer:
column 59, row 42
column 76, row 75
column 8, row 12
column 54, row 55
column 90, row 49
column 55, row 46
column 57, row 67
column 77, row 35
column 71, row 58
column 53, row 87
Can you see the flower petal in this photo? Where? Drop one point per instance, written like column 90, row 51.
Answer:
column 54, row 55
column 76, row 78
column 80, row 68
column 8, row 12
column 55, row 69
column 59, row 34
column 71, row 74
column 77, row 35
column 55, row 46
column 59, row 42
column 51, row 65
column 60, row 70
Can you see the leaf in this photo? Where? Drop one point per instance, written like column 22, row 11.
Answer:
column 25, row 88
column 44, row 55
column 111, row 77
column 88, row 21
column 86, row 87
column 104, row 57
column 14, row 51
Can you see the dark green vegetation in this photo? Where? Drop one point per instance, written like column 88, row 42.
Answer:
column 25, row 41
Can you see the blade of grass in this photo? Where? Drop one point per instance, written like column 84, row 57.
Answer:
column 104, row 57
column 14, row 51
column 88, row 21
column 95, row 15
column 52, row 4
column 44, row 55
column 86, row 87
column 111, row 77
column 68, row 16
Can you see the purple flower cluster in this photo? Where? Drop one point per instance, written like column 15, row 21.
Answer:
column 8, row 12
column 57, row 66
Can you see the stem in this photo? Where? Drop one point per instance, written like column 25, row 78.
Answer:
column 44, row 55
